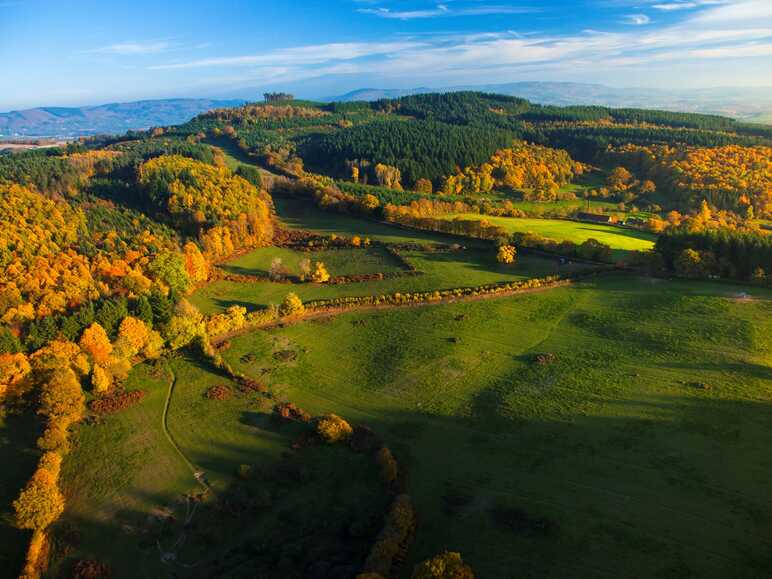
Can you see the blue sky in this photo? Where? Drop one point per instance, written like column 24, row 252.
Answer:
column 89, row 52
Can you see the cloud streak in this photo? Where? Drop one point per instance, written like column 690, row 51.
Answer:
column 443, row 10
column 131, row 48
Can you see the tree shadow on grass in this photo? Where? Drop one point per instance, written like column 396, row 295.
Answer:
column 19, row 457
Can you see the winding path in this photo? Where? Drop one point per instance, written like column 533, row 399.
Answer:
column 197, row 473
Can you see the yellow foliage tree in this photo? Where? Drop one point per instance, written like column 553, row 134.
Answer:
column 292, row 305
column 320, row 273
column 96, row 343
column 506, row 254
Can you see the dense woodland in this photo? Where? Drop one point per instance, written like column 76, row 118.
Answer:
column 101, row 241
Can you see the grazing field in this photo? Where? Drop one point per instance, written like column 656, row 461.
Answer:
column 637, row 446
column 578, row 232
column 125, row 484
column 439, row 270
column 474, row 265
column 338, row 261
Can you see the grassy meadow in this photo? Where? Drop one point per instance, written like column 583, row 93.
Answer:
column 339, row 261
column 576, row 231
column 125, row 484
column 618, row 427
column 643, row 444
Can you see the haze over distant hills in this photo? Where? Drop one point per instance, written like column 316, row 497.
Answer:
column 108, row 118
column 751, row 104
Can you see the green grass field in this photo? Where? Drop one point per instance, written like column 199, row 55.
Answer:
column 638, row 447
column 440, row 270
column 338, row 261
column 646, row 472
column 578, row 232
column 125, row 484
column 475, row 265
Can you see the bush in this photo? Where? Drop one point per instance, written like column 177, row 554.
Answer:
column 89, row 569
column 387, row 464
column 506, row 254
column 332, row 428
column 291, row 306
column 219, row 392
column 116, row 402
column 444, row 566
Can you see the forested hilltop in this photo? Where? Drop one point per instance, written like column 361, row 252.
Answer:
column 105, row 242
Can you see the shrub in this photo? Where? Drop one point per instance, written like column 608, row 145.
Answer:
column 387, row 464
column 444, row 566
column 320, row 274
column 90, row 569
column 332, row 428
column 116, row 402
column 219, row 392
column 292, row 305
column 506, row 254
column 288, row 411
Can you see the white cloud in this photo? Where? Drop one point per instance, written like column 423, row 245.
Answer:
column 637, row 19
column 443, row 10
column 673, row 6
column 132, row 48
column 298, row 56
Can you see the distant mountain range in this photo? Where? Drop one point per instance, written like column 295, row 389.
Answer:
column 110, row 118
column 751, row 104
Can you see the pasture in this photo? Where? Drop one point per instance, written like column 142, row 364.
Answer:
column 125, row 484
column 638, row 448
column 338, row 261
column 617, row 238
column 439, row 270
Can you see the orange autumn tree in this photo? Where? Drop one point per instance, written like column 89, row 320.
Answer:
column 96, row 343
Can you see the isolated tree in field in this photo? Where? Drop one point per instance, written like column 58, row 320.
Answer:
column 305, row 268
column 447, row 565
column 332, row 428
column 292, row 305
column 320, row 275
column 277, row 270
column 506, row 254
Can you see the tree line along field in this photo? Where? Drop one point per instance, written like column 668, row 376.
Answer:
column 636, row 449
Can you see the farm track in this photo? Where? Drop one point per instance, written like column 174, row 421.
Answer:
column 165, row 426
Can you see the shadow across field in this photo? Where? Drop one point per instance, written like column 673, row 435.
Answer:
column 18, row 459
